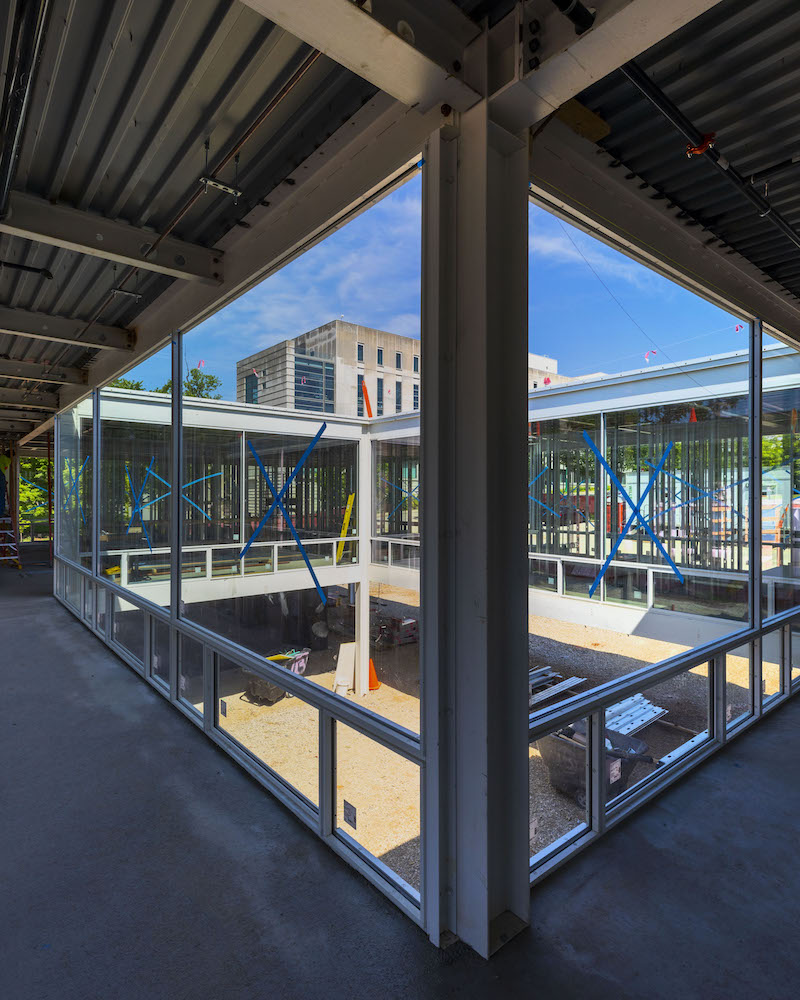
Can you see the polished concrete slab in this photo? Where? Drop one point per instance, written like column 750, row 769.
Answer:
column 137, row 860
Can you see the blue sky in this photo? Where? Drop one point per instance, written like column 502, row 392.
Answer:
column 590, row 307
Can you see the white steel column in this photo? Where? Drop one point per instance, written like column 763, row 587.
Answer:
column 474, row 521
column 365, row 520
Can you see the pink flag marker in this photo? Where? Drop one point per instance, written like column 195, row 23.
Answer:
column 201, row 364
column 647, row 356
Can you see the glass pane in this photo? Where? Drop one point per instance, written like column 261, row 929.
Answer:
column 579, row 578
column 135, row 489
column 260, row 558
column 225, row 562
column 738, row 685
column 278, row 729
column 75, row 514
column 190, row 673
column 277, row 417
column 648, row 731
column 709, row 596
column 771, row 655
column 626, row 586
column 638, row 461
column 159, row 655
column 102, row 599
column 88, row 601
column 127, row 627
column 780, row 495
column 73, row 588
column 378, row 802
column 557, row 785
column 543, row 574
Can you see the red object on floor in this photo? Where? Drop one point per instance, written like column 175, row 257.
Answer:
column 374, row 683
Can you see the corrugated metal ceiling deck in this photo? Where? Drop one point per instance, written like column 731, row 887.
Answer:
column 735, row 71
column 125, row 96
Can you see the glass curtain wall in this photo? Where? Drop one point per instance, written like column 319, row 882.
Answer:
column 75, row 472
column 639, row 517
column 395, row 605
column 277, row 527
column 134, row 516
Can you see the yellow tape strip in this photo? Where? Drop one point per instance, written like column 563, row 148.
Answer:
column 347, row 512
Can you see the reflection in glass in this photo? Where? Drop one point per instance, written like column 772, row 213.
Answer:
column 557, row 785
column 127, row 627
column 190, row 673
column 159, row 654
column 648, row 731
column 135, row 493
column 378, row 802
column 278, row 729
column 74, row 466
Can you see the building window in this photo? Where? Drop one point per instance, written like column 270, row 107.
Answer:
column 313, row 384
column 416, row 362
column 250, row 389
column 380, row 355
column 379, row 401
column 360, row 352
column 360, row 396
column 398, row 397
column 398, row 360
column 416, row 397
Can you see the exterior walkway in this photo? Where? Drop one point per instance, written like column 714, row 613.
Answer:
column 137, row 860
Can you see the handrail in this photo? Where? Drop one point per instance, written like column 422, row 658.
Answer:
column 546, row 720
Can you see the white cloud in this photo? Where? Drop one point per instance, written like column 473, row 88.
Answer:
column 552, row 242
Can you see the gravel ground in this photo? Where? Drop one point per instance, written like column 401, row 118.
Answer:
column 384, row 788
column 599, row 655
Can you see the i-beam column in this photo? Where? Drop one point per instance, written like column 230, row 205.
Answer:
column 474, row 524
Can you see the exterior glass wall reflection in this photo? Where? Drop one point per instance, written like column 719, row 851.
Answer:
column 395, row 607
column 74, row 467
column 135, row 488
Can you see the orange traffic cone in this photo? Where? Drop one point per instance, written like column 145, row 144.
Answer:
column 374, row 683
column 693, row 417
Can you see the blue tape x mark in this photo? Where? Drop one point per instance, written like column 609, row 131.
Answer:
column 277, row 504
column 537, row 476
column 408, row 494
column 74, row 487
column 713, row 494
column 44, row 503
column 636, row 513
column 138, row 506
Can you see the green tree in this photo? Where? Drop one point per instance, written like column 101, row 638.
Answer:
column 127, row 383
column 197, row 383
column 33, row 502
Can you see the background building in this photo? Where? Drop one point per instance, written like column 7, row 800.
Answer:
column 322, row 371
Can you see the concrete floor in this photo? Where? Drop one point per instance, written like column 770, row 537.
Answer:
column 137, row 860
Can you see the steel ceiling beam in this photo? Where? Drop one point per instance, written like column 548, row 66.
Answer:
column 62, row 330
column 353, row 163
column 410, row 49
column 22, row 416
column 10, row 368
column 14, row 427
column 32, row 400
column 33, row 218
column 552, row 64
